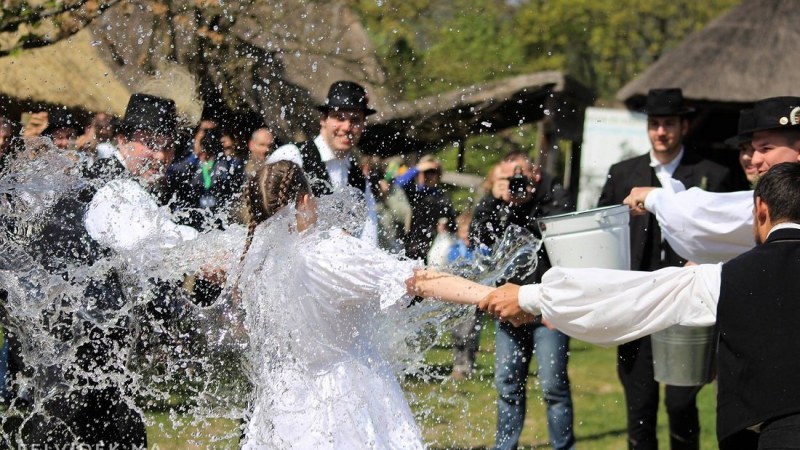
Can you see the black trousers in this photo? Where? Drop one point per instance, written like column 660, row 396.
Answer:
column 635, row 370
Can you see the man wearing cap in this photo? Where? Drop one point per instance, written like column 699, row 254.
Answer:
column 328, row 160
column 712, row 227
column 430, row 204
column 114, row 213
column 667, row 162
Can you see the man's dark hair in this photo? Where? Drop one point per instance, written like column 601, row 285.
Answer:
column 779, row 188
column 791, row 135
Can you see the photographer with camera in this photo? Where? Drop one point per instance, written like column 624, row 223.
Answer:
column 520, row 194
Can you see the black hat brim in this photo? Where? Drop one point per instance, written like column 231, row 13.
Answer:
column 685, row 111
column 739, row 139
column 772, row 127
column 326, row 109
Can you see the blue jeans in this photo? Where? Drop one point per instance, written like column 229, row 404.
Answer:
column 514, row 348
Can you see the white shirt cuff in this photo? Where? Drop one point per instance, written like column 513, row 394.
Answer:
column 530, row 298
column 652, row 198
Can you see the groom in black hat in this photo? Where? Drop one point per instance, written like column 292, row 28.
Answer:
column 328, row 160
column 667, row 160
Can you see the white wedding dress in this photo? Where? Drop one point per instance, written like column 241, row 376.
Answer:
column 313, row 302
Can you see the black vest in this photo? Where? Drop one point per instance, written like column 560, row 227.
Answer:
column 318, row 174
column 759, row 324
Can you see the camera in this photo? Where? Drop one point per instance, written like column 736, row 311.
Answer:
column 518, row 186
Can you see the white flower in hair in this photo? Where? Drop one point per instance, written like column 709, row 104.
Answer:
column 288, row 152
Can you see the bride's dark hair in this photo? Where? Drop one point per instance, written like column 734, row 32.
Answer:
column 274, row 186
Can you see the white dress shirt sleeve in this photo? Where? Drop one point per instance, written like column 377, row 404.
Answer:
column 704, row 227
column 124, row 217
column 610, row 307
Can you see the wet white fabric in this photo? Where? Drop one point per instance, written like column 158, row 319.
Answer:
column 611, row 307
column 313, row 302
column 704, row 227
column 122, row 215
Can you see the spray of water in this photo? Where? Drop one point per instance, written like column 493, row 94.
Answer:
column 159, row 351
column 92, row 323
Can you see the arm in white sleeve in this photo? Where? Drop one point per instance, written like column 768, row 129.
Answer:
column 704, row 227
column 608, row 307
column 124, row 217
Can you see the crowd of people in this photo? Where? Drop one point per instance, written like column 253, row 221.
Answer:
column 685, row 221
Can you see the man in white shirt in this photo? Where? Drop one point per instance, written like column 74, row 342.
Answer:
column 713, row 227
column 114, row 212
column 751, row 298
column 668, row 163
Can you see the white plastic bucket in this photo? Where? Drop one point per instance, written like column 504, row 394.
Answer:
column 593, row 238
column 685, row 356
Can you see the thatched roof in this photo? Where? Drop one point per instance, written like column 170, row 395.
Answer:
column 70, row 73
column 279, row 70
column 747, row 54
column 482, row 108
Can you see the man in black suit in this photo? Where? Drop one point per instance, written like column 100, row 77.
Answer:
column 667, row 161
column 115, row 211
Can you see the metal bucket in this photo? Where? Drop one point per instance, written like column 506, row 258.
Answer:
column 685, row 356
column 597, row 237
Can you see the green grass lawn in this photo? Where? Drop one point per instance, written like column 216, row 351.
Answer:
column 461, row 415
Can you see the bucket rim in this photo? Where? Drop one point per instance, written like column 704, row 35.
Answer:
column 604, row 211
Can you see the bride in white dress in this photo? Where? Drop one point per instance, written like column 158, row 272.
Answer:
column 313, row 297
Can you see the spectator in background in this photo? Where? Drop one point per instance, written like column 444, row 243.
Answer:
column 394, row 212
column 440, row 248
column 467, row 334
column 520, row 194
column 98, row 136
column 260, row 145
column 429, row 203
column 208, row 181
column 62, row 128
column 6, row 134
column 666, row 161
column 229, row 144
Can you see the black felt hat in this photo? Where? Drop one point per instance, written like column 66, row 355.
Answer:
column 346, row 96
column 775, row 113
column 666, row 102
column 747, row 120
column 150, row 113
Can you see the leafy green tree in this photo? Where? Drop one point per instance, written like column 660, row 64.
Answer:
column 606, row 43
column 430, row 47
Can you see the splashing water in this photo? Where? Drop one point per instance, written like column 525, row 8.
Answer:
column 157, row 350
column 96, row 327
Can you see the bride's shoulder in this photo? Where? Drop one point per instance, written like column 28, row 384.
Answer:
column 333, row 240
